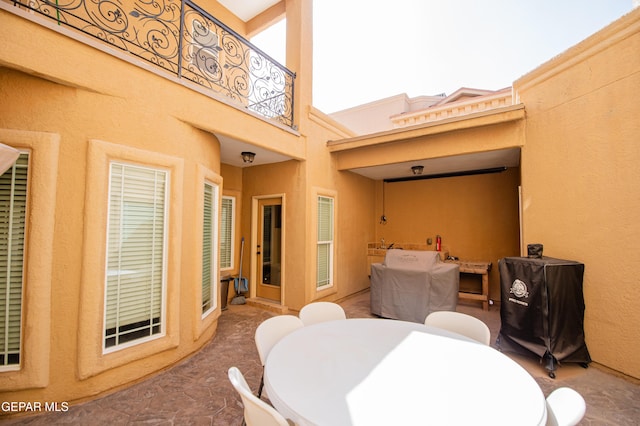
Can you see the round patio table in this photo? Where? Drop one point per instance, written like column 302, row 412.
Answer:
column 384, row 372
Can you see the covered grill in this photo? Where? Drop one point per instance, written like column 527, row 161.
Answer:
column 542, row 310
column 410, row 284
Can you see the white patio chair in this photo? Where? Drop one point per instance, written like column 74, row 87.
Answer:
column 321, row 311
column 565, row 407
column 256, row 411
column 460, row 323
column 269, row 332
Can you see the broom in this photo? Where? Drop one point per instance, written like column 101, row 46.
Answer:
column 240, row 284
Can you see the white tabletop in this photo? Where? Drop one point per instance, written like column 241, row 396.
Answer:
column 388, row 372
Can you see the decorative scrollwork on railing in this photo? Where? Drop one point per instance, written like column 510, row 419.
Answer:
column 157, row 31
column 272, row 91
column 216, row 57
column 205, row 51
column 147, row 29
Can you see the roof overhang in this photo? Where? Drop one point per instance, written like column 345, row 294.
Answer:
column 367, row 154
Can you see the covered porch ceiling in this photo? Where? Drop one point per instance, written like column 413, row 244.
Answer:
column 354, row 154
column 454, row 164
column 231, row 149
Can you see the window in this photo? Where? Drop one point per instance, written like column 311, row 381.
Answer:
column 136, row 239
column 209, row 240
column 324, row 272
column 13, row 213
column 227, row 216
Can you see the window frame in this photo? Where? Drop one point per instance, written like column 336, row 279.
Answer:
column 329, row 243
column 204, row 323
column 213, row 258
column 4, row 366
column 91, row 358
column 44, row 149
column 232, row 231
column 136, row 202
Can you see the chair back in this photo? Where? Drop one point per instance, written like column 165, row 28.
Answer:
column 271, row 330
column 256, row 411
column 321, row 311
column 565, row 407
column 460, row 323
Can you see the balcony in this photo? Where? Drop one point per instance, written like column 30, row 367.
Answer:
column 185, row 41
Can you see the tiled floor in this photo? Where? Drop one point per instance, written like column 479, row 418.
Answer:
column 197, row 391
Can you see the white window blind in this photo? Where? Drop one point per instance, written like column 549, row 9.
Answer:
column 209, row 267
column 136, row 234
column 227, row 216
column 324, row 271
column 13, row 213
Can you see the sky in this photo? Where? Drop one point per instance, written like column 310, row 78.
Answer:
column 365, row 50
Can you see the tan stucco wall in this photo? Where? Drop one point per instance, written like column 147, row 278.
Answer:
column 476, row 216
column 117, row 128
column 76, row 107
column 581, row 179
column 284, row 180
column 299, row 183
column 355, row 202
column 232, row 186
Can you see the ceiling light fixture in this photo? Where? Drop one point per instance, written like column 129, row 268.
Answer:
column 248, row 157
column 417, row 170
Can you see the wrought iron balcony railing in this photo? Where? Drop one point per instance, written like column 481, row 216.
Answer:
column 184, row 40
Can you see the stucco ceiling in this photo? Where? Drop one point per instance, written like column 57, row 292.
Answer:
column 231, row 149
column 452, row 164
column 247, row 9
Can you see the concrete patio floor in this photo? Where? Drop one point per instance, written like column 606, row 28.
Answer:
column 197, row 391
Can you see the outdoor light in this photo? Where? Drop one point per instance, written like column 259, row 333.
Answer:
column 417, row 170
column 248, row 157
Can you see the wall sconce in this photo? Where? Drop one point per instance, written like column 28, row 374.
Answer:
column 417, row 170
column 248, row 157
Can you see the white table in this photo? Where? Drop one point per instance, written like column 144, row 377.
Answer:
column 388, row 372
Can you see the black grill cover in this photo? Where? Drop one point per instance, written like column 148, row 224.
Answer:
column 542, row 309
